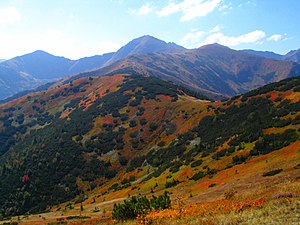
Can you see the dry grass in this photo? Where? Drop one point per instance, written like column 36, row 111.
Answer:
column 237, row 210
column 280, row 211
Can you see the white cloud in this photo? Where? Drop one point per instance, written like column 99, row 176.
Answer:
column 224, row 8
column 192, row 37
column 190, row 8
column 275, row 37
column 215, row 29
column 248, row 38
column 143, row 10
column 9, row 15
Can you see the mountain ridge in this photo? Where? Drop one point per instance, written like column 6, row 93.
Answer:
column 213, row 69
column 34, row 69
column 203, row 69
column 293, row 55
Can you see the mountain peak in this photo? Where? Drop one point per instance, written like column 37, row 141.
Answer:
column 214, row 46
column 144, row 45
column 293, row 55
column 38, row 53
column 147, row 37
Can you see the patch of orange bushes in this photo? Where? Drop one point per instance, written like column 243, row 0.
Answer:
column 200, row 210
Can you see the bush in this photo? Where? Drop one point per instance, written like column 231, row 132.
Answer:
column 212, row 185
column 297, row 166
column 272, row 142
column 143, row 121
column 198, row 175
column 272, row 173
column 137, row 206
column 132, row 123
column 197, row 163
column 153, row 127
column 171, row 183
column 239, row 159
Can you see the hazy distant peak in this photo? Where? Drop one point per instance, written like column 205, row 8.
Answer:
column 214, row 46
column 144, row 45
column 293, row 55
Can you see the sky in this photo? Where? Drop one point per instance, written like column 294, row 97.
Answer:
column 81, row 28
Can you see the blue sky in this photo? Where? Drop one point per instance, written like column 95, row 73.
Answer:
column 79, row 28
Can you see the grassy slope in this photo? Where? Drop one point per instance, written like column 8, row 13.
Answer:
column 246, row 179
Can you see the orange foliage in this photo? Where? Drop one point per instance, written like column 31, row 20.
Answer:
column 66, row 113
column 200, row 210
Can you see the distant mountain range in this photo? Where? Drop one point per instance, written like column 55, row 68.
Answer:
column 293, row 56
column 215, row 70
column 39, row 67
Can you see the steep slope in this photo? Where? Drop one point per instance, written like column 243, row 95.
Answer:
column 213, row 69
column 124, row 134
column 144, row 45
column 63, row 132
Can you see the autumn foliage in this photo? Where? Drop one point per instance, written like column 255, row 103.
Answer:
column 179, row 211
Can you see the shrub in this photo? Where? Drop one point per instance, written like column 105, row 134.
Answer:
column 137, row 206
column 197, row 163
column 238, row 159
column 272, row 142
column 297, row 166
column 153, row 127
column 272, row 173
column 143, row 121
column 212, row 185
column 132, row 123
column 171, row 183
column 198, row 175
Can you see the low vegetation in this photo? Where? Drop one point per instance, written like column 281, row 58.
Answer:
column 139, row 206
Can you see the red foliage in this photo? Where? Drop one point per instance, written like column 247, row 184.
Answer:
column 25, row 179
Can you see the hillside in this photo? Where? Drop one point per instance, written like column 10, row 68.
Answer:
column 119, row 135
column 213, row 69
column 68, row 124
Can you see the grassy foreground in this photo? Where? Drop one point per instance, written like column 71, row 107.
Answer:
column 283, row 208
column 280, row 205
